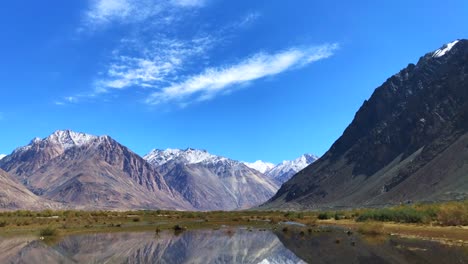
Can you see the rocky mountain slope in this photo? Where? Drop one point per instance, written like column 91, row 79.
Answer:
column 282, row 172
column 285, row 170
column 84, row 171
column 2, row 156
column 212, row 182
column 14, row 196
column 408, row 142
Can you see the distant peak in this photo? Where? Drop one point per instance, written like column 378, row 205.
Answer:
column 260, row 165
column 188, row 156
column 446, row 48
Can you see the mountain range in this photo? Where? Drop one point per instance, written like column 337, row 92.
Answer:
column 81, row 171
column 211, row 182
column 282, row 172
column 407, row 143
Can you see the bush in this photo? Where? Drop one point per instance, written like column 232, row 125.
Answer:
column 3, row 223
column 453, row 214
column 323, row 216
column 48, row 231
column 400, row 215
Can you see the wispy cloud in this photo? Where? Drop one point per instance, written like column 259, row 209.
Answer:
column 154, row 57
column 248, row 19
column 67, row 100
column 159, row 62
column 104, row 12
column 213, row 81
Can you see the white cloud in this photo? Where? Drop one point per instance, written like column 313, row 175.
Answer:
column 157, row 62
column 104, row 12
column 248, row 19
column 67, row 100
column 213, row 81
column 188, row 3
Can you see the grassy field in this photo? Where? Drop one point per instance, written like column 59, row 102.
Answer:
column 436, row 221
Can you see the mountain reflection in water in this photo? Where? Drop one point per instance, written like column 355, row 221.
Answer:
column 226, row 246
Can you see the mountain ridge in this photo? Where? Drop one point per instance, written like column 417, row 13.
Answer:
column 401, row 145
column 211, row 182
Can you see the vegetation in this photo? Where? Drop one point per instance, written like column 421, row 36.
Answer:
column 51, row 222
column 47, row 232
column 453, row 214
column 399, row 215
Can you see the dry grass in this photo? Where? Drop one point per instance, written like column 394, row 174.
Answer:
column 453, row 214
column 371, row 228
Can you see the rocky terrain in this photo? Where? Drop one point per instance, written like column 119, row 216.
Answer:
column 90, row 172
column 283, row 171
column 210, row 182
column 13, row 195
column 407, row 143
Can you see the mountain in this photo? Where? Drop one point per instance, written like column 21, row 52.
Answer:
column 211, row 182
column 408, row 142
column 193, row 246
column 260, row 166
column 285, row 170
column 91, row 172
column 2, row 156
column 14, row 196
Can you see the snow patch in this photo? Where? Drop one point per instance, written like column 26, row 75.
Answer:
column 260, row 166
column 2, row 156
column 285, row 170
column 69, row 139
column 446, row 48
column 188, row 156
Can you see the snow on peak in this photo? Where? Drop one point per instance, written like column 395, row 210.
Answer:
column 159, row 157
column 2, row 156
column 446, row 48
column 68, row 138
column 285, row 170
column 260, row 166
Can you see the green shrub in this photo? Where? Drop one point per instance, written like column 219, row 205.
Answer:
column 323, row 216
column 400, row 215
column 48, row 231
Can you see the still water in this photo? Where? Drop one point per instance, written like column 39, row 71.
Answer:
column 227, row 246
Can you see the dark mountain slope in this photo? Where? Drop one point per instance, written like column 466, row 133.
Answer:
column 409, row 141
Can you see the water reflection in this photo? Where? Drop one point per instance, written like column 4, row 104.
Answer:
column 227, row 246
column 201, row 246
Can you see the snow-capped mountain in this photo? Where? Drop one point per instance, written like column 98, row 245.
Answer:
column 407, row 142
column 90, row 172
column 446, row 48
column 211, row 182
column 2, row 156
column 285, row 170
column 159, row 157
column 260, row 166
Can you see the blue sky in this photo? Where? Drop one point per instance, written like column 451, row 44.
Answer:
column 250, row 80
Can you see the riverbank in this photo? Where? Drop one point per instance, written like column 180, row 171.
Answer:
column 430, row 222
